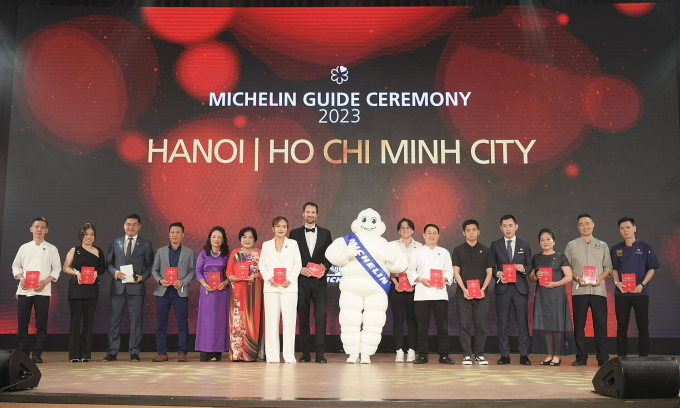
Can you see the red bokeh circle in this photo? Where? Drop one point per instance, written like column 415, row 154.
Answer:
column 205, row 68
column 562, row 19
column 634, row 9
column 186, row 25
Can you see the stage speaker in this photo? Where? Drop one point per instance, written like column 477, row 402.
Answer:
column 638, row 377
column 17, row 371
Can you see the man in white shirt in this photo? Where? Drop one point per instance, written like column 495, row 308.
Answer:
column 429, row 297
column 37, row 255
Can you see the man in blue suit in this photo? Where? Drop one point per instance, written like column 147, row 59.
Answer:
column 128, row 250
column 512, row 250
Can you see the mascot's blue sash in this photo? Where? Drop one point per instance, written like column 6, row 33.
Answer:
column 373, row 268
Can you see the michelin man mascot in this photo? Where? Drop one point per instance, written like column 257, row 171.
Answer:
column 366, row 260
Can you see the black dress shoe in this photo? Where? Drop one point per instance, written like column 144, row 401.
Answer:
column 110, row 357
column 134, row 357
column 420, row 360
column 37, row 359
column 306, row 358
column 600, row 363
column 320, row 358
column 503, row 360
column 579, row 362
column 446, row 360
column 524, row 360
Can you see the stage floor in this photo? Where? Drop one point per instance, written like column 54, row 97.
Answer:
column 337, row 383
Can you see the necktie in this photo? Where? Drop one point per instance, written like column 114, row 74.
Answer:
column 510, row 250
column 128, row 251
column 310, row 229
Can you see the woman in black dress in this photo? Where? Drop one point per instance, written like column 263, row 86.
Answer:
column 82, row 298
column 552, row 317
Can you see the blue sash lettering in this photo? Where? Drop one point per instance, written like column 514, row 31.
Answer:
column 374, row 269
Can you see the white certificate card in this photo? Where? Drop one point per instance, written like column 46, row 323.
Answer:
column 129, row 273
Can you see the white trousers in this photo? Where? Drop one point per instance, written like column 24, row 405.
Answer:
column 278, row 305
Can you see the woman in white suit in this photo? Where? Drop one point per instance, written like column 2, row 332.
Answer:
column 280, row 299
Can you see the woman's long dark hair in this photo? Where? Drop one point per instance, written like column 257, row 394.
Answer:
column 224, row 249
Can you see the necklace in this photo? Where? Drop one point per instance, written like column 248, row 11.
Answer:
column 215, row 254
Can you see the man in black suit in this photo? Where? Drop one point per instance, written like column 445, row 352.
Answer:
column 512, row 250
column 313, row 241
column 128, row 250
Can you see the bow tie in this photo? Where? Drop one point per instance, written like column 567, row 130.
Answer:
column 310, row 229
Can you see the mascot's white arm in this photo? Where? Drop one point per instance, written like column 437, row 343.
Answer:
column 395, row 259
column 339, row 253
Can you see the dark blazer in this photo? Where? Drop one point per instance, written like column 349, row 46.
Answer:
column 522, row 255
column 323, row 241
column 141, row 260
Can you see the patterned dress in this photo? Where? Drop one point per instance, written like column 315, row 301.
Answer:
column 245, row 310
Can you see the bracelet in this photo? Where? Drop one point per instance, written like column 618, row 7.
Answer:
column 643, row 285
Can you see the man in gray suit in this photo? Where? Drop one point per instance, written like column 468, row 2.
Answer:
column 173, row 294
column 128, row 250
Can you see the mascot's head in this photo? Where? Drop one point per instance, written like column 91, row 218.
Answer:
column 368, row 222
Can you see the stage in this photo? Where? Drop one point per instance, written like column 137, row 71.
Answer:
column 382, row 383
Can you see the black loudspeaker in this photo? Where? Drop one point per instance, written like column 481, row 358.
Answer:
column 638, row 377
column 17, row 371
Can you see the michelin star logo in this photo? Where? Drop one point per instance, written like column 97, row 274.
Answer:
column 339, row 74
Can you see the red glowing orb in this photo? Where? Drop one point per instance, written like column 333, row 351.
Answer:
column 634, row 9
column 186, row 25
column 206, row 68
column 562, row 19
column 571, row 170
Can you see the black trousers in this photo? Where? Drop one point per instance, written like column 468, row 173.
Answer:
column 308, row 294
column 472, row 311
column 519, row 302
column 598, row 308
column 441, row 319
column 41, row 304
column 80, row 345
column 623, row 305
column 403, row 308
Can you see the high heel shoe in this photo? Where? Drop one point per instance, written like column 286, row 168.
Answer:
column 555, row 364
column 547, row 361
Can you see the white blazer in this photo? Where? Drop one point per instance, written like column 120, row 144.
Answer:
column 288, row 258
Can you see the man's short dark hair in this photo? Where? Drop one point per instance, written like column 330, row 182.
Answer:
column 39, row 219
column 304, row 207
column 508, row 217
column 134, row 217
column 470, row 222
column 430, row 225
column 627, row 219
column 583, row 215
column 407, row 221
column 176, row 224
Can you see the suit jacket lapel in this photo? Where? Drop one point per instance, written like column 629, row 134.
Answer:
column 134, row 249
column 181, row 255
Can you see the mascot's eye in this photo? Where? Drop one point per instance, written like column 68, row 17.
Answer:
column 373, row 220
column 363, row 219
